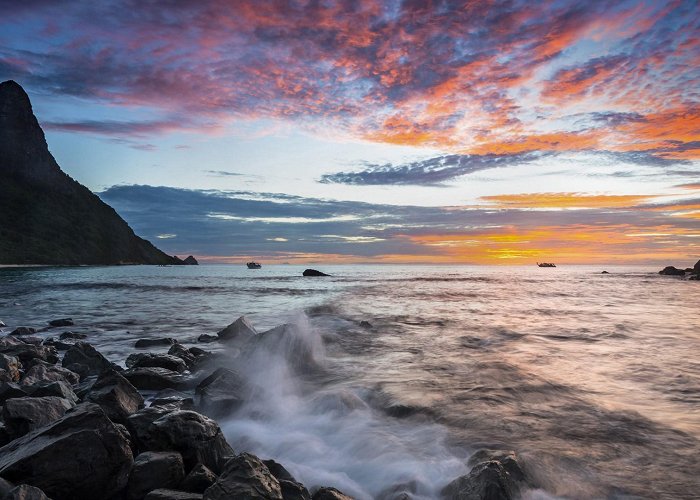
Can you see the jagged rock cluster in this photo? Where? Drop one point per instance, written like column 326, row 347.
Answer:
column 694, row 271
column 76, row 426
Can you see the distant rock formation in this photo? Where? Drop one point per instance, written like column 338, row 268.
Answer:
column 672, row 271
column 46, row 217
column 314, row 272
column 190, row 261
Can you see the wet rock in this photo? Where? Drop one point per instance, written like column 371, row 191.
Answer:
column 172, row 397
column 146, row 360
column 9, row 368
column 81, row 455
column 366, row 325
column 695, row 277
column 57, row 344
column 328, row 493
column 165, row 494
column 291, row 488
column 26, row 352
column 5, row 487
column 9, row 390
column 221, row 392
column 140, row 424
column 184, row 354
column 507, row 458
column 487, row 480
column 313, row 272
column 58, row 388
column 49, row 373
column 402, row 491
column 153, row 470
column 72, row 336
column 197, row 351
column 290, row 342
column 239, row 331
column 696, row 267
column 117, row 397
column 154, row 379
column 23, row 330
column 245, row 476
column 199, row 479
column 25, row 492
column 84, row 354
column 604, row 272
column 165, row 341
column 22, row 415
column 672, row 271
column 205, row 338
column 61, row 322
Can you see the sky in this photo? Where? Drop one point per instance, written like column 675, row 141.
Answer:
column 482, row 132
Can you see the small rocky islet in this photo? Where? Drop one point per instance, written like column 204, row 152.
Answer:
column 693, row 272
column 74, row 425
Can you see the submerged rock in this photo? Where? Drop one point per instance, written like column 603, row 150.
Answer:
column 221, row 392
column 116, row 396
column 199, row 479
column 145, row 360
column 239, row 331
column 61, row 322
column 245, row 476
column 672, row 271
column 85, row 354
column 23, row 415
column 206, row 338
column 328, row 493
column 81, row 455
column 153, row 470
column 313, row 272
column 141, row 343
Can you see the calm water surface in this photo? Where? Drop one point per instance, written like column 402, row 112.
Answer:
column 593, row 379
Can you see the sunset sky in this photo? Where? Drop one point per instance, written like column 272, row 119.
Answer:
column 488, row 132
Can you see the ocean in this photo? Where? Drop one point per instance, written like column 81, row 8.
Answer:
column 592, row 379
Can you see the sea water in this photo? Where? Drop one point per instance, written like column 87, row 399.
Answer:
column 592, row 379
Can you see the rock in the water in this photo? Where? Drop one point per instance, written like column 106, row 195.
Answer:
column 154, row 379
column 290, row 342
column 27, row 352
column 604, row 272
column 9, row 368
column 313, row 272
column 291, row 488
column 696, row 267
column 246, row 477
column 153, row 470
column 61, row 322
column 25, row 492
column 328, row 493
column 508, row 459
column 366, row 325
column 23, row 415
column 165, row 494
column 199, row 479
column 23, row 330
column 487, row 480
column 164, row 341
column 206, row 338
column 239, row 331
column 145, row 360
column 221, row 392
column 80, row 456
column 171, row 397
column 57, row 344
column 72, row 336
column 190, row 261
column 184, row 354
column 672, row 271
column 115, row 394
column 49, row 373
column 84, row 354
column 198, row 438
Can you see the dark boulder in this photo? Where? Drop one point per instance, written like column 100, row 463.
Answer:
column 26, row 352
column 366, row 325
column 9, row 390
column 604, row 272
column 84, row 354
column 221, row 392
column 184, row 354
column 328, row 493
column 154, row 379
column 206, row 338
column 198, row 438
column 146, row 360
column 198, row 480
column 487, row 480
column 291, row 488
column 80, row 456
column 25, row 492
column 23, row 415
column 164, row 341
column 239, row 331
column 23, row 330
column 49, row 373
column 115, row 394
column 672, row 271
column 5, row 487
column 140, row 424
column 57, row 344
column 10, row 368
column 696, row 267
column 72, row 336
column 57, row 388
column 61, row 322
column 165, row 494
column 153, row 470
column 313, row 272
column 245, row 476
column 173, row 398
column 289, row 342
column 508, row 459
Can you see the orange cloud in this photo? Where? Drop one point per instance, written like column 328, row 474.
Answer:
column 566, row 200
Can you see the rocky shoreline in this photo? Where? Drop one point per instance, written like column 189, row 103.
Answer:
column 77, row 426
